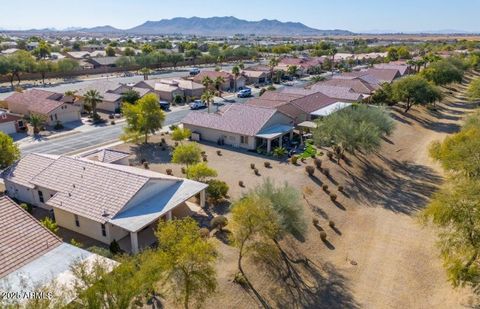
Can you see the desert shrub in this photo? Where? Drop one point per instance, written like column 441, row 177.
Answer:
column 203, row 152
column 241, row 184
column 252, row 166
column 100, row 251
column 75, row 243
column 318, row 163
column 145, row 165
column 205, row 159
column 330, row 155
column 219, row 222
column 176, row 144
column 169, row 172
column 341, row 188
column 115, row 247
column 112, row 122
column 255, row 170
column 26, row 207
column 325, row 187
column 315, row 221
column 333, row 197
column 217, row 190
column 267, row 164
column 310, row 170
column 326, row 172
column 204, row 232
column 163, row 140
column 294, row 160
column 240, row 279
column 219, row 152
column 184, row 170
column 331, row 224
column 323, row 235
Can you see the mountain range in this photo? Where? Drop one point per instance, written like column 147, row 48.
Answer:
column 215, row 26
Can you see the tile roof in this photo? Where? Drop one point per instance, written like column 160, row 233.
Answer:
column 7, row 117
column 22, row 237
column 402, row 68
column 313, row 102
column 384, row 75
column 23, row 171
column 106, row 155
column 356, row 84
column 340, row 93
column 241, row 119
column 36, row 100
column 213, row 75
column 280, row 96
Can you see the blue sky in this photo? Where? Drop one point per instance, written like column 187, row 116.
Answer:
column 355, row 15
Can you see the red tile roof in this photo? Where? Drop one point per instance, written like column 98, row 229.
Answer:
column 6, row 117
column 213, row 75
column 37, row 101
column 22, row 237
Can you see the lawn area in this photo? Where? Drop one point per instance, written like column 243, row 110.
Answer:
column 377, row 255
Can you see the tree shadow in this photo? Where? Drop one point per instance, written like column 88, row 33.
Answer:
column 328, row 244
column 336, row 230
column 339, row 206
column 316, row 180
column 223, row 236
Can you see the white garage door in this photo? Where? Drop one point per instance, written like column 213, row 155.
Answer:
column 8, row 127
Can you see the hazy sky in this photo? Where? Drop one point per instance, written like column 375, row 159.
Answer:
column 355, row 15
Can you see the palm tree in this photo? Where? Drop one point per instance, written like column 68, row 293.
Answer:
column 332, row 51
column 207, row 97
column 37, row 122
column 92, row 98
column 272, row 64
column 218, row 82
column 207, row 82
column 235, row 72
column 72, row 94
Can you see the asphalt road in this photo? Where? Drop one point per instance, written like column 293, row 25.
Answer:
column 92, row 138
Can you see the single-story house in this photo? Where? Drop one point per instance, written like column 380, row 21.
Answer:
column 45, row 103
column 168, row 88
column 31, row 256
column 229, row 83
column 10, row 123
column 103, row 62
column 102, row 201
column 345, row 94
column 403, row 69
column 241, row 126
column 257, row 74
column 358, row 84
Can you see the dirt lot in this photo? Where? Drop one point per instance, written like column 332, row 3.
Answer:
column 379, row 256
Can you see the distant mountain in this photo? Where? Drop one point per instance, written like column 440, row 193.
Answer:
column 228, row 26
column 99, row 29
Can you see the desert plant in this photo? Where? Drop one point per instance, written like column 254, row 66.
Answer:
column 341, row 188
column 115, row 247
column 310, row 170
column 255, row 170
column 169, row 172
column 323, row 235
column 331, row 224
column 204, row 232
column 294, row 160
column 112, row 122
column 325, row 187
column 252, row 166
column 318, row 163
column 326, row 172
column 219, row 152
column 217, row 190
column 219, row 222
column 333, row 197
column 145, row 165
column 241, row 184
column 50, row 225
column 279, row 152
column 205, row 159
column 163, row 140
column 267, row 164
column 315, row 221
column 26, row 207
column 184, row 170
column 330, row 155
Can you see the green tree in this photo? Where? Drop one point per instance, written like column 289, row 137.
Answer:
column 43, row 67
column 37, row 122
column 292, row 70
column 207, row 82
column 193, row 54
column 217, row 190
column 50, row 225
column 125, row 62
column 131, row 96
column 174, row 59
column 218, row 83
column 443, row 72
column 9, row 151
column 143, row 118
column 474, row 90
column 200, row 172
column 67, row 66
column 403, row 53
column 43, row 50
column 129, row 52
column 181, row 134
column 392, row 54
column 187, row 154
column 91, row 98
column 110, row 51
column 352, row 129
column 187, row 260
column 415, row 90
column 272, row 63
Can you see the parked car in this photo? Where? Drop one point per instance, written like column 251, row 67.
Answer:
column 198, row 104
column 194, row 71
column 244, row 93
column 165, row 105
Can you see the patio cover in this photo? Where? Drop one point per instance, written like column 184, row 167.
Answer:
column 330, row 109
column 137, row 217
column 274, row 131
column 307, row 124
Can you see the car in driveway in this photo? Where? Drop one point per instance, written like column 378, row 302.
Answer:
column 197, row 104
column 164, row 105
column 244, row 93
column 194, row 71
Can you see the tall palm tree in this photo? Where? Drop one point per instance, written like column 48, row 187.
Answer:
column 218, row 82
column 92, row 98
column 207, row 97
column 207, row 82
column 37, row 122
column 235, row 72
column 272, row 63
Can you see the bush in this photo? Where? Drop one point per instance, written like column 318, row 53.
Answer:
column 241, row 184
column 163, row 140
column 169, row 172
column 240, row 279
column 100, row 251
column 145, row 165
column 333, row 197
column 331, row 224
column 217, row 190
column 115, row 247
column 184, row 170
column 26, row 207
column 219, row 222
column 173, row 127
column 325, row 187
column 204, row 232
column 176, row 144
column 205, row 159
column 252, row 166
column 310, row 170
column 112, row 122
column 267, row 164
column 318, row 163
column 326, row 172
column 255, row 170
column 330, row 155
column 340, row 189
column 219, row 152
column 58, row 126
column 294, row 160
column 315, row 221
column 323, row 235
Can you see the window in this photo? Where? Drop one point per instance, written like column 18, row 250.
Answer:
column 51, row 117
column 20, row 124
column 77, row 222
column 56, row 118
column 243, row 139
column 104, row 231
column 40, row 196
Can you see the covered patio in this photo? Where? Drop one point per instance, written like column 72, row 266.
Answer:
column 330, row 109
column 275, row 133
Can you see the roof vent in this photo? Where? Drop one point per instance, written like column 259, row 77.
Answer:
column 73, row 185
column 69, row 194
column 105, row 213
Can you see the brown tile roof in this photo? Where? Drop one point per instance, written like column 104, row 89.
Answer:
column 384, row 75
column 340, row 93
column 356, row 84
column 279, row 96
column 7, row 117
column 106, row 155
column 22, row 237
column 259, row 102
column 36, row 101
column 241, row 119
column 213, row 75
column 402, row 68
column 313, row 102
